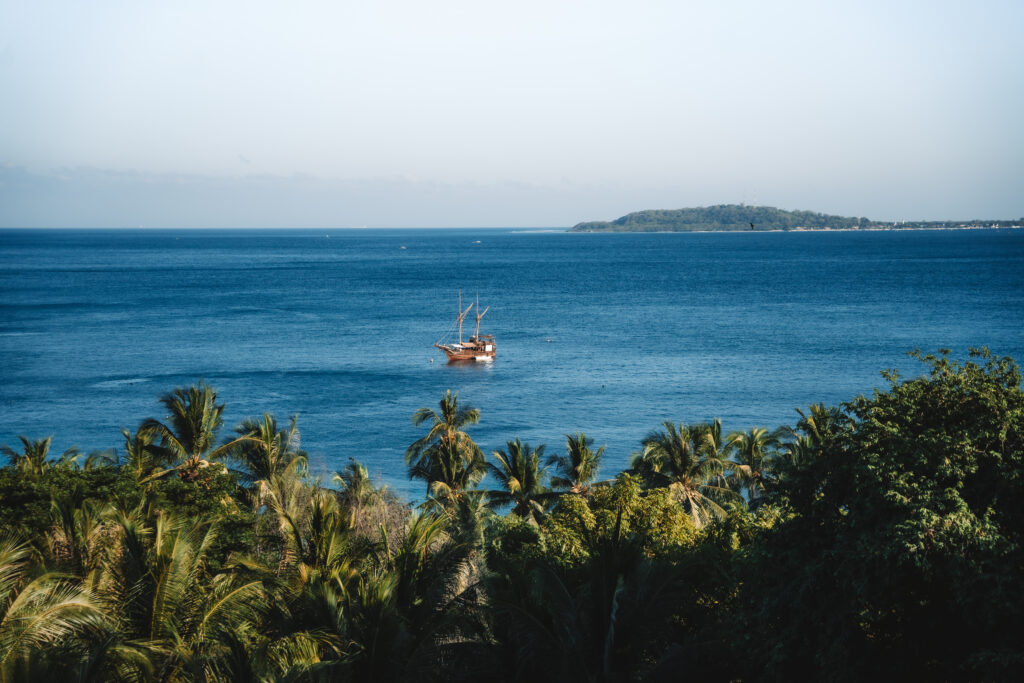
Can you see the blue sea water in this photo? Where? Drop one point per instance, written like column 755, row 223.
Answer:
column 606, row 333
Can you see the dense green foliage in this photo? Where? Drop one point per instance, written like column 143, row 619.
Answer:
column 724, row 217
column 878, row 539
column 903, row 557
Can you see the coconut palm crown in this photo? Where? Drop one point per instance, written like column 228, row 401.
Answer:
column 752, row 463
column 446, row 458
column 189, row 436
column 37, row 611
column 577, row 469
column 265, row 449
column 689, row 461
column 521, row 477
column 34, row 458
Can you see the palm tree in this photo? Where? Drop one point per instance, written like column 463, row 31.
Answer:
column 189, row 437
column 446, row 458
column 710, row 443
column 689, row 461
column 265, row 449
column 801, row 448
column 33, row 460
column 366, row 506
column 95, row 460
column 309, row 617
column 469, row 518
column 427, row 578
column 795, row 453
column 419, row 558
column 752, row 461
column 801, row 445
column 522, row 478
column 311, row 626
column 578, row 468
column 78, row 532
column 37, row 613
column 266, row 452
column 355, row 485
column 325, row 537
column 168, row 600
column 819, row 423
column 596, row 621
column 377, row 627
column 139, row 457
column 380, row 622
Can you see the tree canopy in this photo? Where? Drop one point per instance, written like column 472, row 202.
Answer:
column 882, row 538
column 743, row 217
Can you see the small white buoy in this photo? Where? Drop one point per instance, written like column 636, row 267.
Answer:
column 431, row 360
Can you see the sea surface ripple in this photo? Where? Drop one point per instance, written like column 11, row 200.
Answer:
column 606, row 333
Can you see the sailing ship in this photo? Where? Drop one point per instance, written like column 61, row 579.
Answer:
column 480, row 347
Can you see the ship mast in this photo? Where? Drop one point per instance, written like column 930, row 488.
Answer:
column 478, row 315
column 463, row 314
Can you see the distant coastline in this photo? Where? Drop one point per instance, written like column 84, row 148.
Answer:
column 743, row 218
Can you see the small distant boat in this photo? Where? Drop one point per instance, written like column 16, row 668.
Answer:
column 480, row 347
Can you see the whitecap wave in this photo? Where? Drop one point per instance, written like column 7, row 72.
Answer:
column 115, row 383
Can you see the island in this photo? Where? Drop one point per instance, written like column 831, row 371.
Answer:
column 735, row 217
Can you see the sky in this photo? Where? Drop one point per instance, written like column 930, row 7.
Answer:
column 404, row 113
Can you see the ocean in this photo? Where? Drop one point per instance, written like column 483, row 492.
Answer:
column 609, row 334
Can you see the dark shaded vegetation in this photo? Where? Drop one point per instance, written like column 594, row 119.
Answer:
column 733, row 217
column 878, row 539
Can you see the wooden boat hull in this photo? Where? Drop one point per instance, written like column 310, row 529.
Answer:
column 465, row 353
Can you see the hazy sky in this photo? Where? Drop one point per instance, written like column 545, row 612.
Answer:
column 412, row 113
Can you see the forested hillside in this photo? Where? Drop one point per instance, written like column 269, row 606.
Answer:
column 725, row 217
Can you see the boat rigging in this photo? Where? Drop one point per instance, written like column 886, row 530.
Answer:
column 480, row 347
